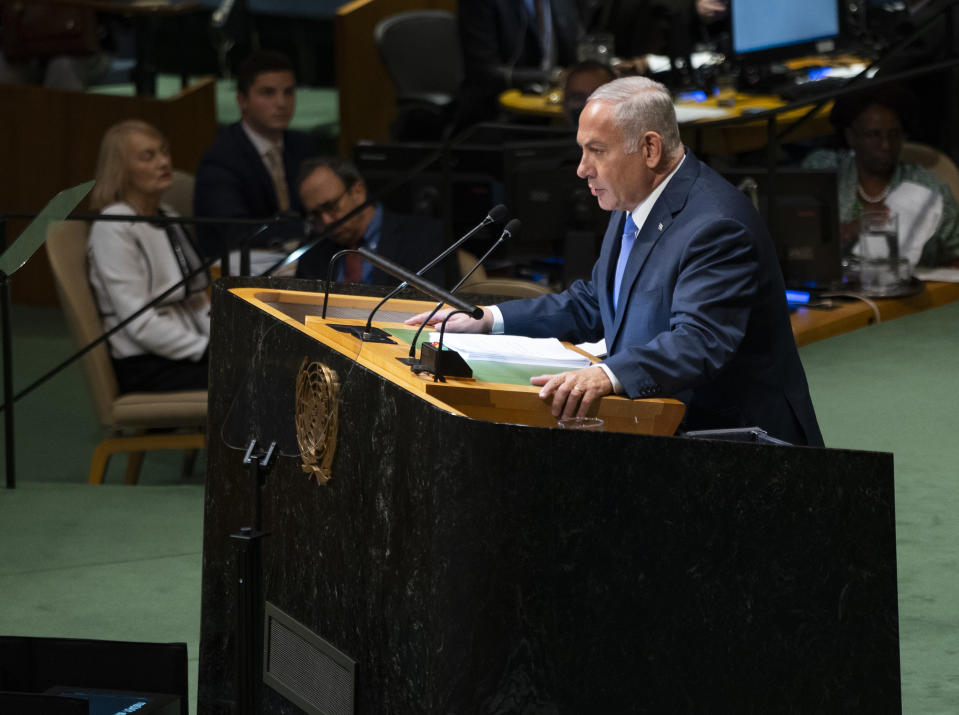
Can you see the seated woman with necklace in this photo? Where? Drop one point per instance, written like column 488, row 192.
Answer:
column 131, row 263
column 872, row 179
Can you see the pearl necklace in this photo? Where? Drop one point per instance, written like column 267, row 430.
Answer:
column 878, row 198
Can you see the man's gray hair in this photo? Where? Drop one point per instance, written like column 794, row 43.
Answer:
column 641, row 105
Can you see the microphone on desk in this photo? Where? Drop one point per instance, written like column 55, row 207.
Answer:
column 397, row 271
column 434, row 360
column 498, row 214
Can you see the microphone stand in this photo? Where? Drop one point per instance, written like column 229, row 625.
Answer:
column 397, row 271
column 420, row 366
column 496, row 215
column 439, row 362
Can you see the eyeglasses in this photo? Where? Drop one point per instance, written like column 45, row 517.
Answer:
column 328, row 207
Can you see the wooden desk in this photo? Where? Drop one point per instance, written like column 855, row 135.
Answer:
column 468, row 397
column 731, row 139
column 750, row 135
column 810, row 324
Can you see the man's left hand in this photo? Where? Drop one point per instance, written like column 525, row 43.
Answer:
column 574, row 392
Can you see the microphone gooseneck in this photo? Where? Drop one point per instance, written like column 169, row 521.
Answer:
column 509, row 231
column 498, row 214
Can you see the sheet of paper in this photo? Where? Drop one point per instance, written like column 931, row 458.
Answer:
column 512, row 349
column 694, row 112
column 946, row 275
column 597, row 349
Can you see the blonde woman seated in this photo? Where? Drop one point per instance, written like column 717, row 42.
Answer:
column 131, row 263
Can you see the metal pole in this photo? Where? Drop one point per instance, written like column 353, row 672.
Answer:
column 8, row 436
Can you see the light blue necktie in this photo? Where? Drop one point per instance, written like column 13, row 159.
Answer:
column 626, row 247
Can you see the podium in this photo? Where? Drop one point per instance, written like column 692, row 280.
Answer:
column 465, row 557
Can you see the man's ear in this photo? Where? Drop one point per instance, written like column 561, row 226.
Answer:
column 359, row 191
column 651, row 146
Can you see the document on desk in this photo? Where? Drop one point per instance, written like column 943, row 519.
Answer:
column 548, row 352
column 946, row 275
column 695, row 112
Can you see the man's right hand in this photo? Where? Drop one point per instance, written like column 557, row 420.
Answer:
column 459, row 323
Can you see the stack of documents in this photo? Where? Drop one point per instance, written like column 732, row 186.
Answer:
column 548, row 352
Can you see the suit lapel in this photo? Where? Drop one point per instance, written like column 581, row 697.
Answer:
column 652, row 230
column 657, row 224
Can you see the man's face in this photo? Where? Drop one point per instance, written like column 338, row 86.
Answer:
column 876, row 138
column 326, row 199
column 269, row 104
column 618, row 180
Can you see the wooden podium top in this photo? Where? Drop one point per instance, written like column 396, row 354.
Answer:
column 476, row 397
column 813, row 324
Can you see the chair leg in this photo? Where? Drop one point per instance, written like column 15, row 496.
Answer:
column 134, row 463
column 189, row 462
column 140, row 443
column 98, row 464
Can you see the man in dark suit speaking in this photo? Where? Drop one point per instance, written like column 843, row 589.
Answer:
column 330, row 189
column 687, row 290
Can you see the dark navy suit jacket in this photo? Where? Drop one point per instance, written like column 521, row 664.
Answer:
column 702, row 312
column 411, row 241
column 232, row 182
column 500, row 49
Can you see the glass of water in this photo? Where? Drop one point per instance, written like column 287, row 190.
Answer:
column 881, row 269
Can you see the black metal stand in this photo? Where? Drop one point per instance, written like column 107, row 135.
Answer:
column 249, row 588
column 8, row 436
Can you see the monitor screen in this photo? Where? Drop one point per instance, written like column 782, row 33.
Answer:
column 803, row 219
column 761, row 25
column 555, row 205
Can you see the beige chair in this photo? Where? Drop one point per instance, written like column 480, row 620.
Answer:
column 180, row 194
column 934, row 160
column 510, row 287
column 481, row 283
column 132, row 416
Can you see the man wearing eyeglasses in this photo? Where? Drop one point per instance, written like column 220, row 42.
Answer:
column 250, row 169
column 334, row 197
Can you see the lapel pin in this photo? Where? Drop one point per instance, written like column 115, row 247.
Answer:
column 660, row 227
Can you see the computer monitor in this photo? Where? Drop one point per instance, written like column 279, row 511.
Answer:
column 801, row 210
column 776, row 29
column 560, row 216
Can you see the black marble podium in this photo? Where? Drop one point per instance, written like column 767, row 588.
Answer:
column 471, row 566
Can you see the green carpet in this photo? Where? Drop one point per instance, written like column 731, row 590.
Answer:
column 124, row 563
column 109, row 562
column 894, row 387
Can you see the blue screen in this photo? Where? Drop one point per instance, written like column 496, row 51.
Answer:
column 767, row 24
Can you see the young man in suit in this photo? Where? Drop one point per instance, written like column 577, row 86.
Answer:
column 251, row 168
column 687, row 291
column 330, row 189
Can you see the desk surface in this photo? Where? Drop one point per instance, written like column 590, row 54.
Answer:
column 810, row 324
column 731, row 139
column 469, row 397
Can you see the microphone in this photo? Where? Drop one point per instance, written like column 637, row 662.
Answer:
column 397, row 271
column 498, row 214
column 430, row 359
